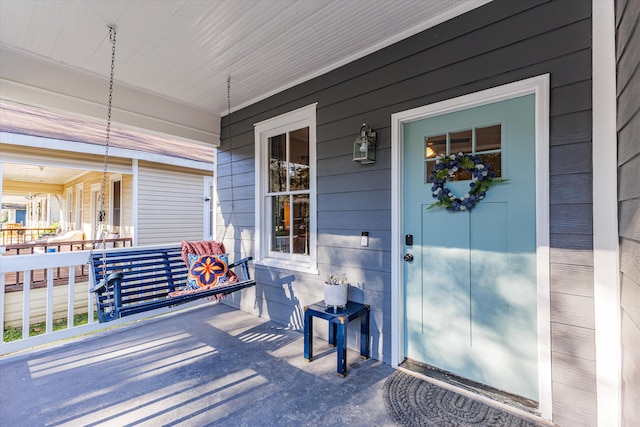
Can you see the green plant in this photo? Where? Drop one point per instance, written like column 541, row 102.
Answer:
column 12, row 333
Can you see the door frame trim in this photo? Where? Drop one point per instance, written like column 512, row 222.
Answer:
column 540, row 88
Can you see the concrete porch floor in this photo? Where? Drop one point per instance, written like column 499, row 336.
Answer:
column 211, row 365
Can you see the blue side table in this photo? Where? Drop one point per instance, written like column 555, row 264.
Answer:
column 338, row 322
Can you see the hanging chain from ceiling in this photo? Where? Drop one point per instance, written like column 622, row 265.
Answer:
column 233, row 199
column 100, row 223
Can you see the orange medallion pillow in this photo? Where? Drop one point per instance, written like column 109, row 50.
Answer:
column 206, row 271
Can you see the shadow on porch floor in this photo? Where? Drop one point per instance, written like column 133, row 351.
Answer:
column 211, row 365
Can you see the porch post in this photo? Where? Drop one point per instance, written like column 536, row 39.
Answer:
column 136, row 206
column 606, row 267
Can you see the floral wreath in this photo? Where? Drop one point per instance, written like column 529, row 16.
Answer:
column 482, row 175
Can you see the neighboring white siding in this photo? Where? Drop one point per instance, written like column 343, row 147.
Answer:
column 170, row 204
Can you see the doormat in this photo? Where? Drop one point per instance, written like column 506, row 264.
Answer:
column 412, row 402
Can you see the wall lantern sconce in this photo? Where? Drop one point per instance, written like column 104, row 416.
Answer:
column 364, row 147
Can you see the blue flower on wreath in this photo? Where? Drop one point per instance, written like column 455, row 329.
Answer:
column 482, row 178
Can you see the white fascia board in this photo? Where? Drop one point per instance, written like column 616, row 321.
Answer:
column 31, row 80
column 81, row 147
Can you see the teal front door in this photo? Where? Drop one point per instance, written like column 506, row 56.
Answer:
column 470, row 289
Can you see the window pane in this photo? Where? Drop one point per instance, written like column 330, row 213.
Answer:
column 299, row 159
column 301, row 224
column 280, row 224
column 495, row 159
column 460, row 142
column 115, row 221
column 277, row 163
column 461, row 175
column 69, row 210
column 489, row 138
column 434, row 146
column 80, row 210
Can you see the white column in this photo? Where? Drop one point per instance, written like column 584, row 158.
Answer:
column 606, row 266
column 136, row 205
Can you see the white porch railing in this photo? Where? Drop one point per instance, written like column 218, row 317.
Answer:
column 50, row 261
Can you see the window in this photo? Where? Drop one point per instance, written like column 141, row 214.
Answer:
column 79, row 206
column 485, row 142
column 286, row 190
column 94, row 209
column 116, row 204
column 69, row 201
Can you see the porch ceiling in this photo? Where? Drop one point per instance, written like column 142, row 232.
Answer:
column 180, row 52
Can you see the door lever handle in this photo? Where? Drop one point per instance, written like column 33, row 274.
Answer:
column 408, row 257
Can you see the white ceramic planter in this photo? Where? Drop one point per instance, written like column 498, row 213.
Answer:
column 335, row 295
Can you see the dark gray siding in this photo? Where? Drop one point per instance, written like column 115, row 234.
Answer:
column 501, row 42
column 628, row 88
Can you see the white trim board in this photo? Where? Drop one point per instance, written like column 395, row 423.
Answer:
column 539, row 86
column 606, row 264
column 82, row 147
column 29, row 79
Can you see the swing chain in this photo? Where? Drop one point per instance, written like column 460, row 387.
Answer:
column 101, row 212
column 233, row 198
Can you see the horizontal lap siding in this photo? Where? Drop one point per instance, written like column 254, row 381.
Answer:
column 498, row 43
column 235, row 227
column 628, row 88
column 170, row 204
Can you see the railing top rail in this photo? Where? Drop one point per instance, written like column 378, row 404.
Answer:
column 28, row 228
column 65, row 243
column 12, row 263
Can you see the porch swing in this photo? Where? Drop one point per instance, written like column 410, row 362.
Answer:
column 135, row 280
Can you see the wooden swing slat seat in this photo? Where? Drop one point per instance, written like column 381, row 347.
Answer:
column 140, row 280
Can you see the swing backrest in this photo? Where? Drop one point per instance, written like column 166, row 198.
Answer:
column 149, row 275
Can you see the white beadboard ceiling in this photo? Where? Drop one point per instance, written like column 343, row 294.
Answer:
column 181, row 51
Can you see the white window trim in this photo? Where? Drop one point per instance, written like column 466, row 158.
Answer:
column 302, row 117
column 208, row 215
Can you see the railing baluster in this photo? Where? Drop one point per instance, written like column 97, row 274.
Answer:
column 26, row 300
column 49, row 315
column 2, row 300
column 91, row 298
column 71, row 297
